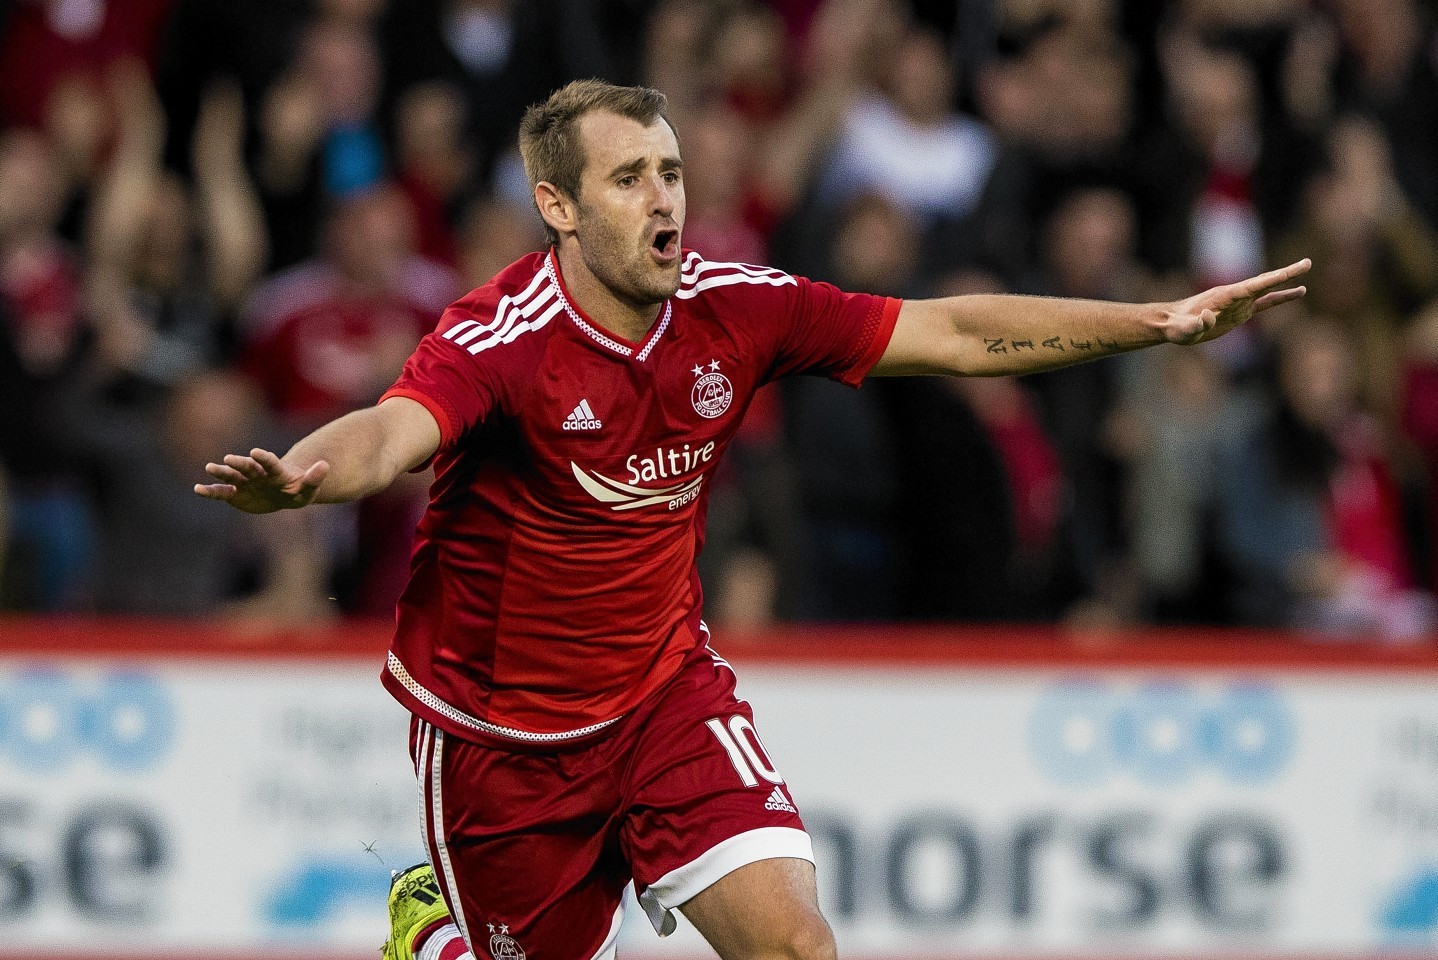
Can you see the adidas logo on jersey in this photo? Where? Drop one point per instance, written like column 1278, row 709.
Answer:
column 777, row 801
column 582, row 418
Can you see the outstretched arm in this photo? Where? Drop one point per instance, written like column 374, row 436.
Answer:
column 993, row 335
column 359, row 454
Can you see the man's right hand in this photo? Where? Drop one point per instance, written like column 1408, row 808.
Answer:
column 262, row 482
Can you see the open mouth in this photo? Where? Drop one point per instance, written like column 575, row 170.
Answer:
column 666, row 244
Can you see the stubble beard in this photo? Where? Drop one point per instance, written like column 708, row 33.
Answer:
column 628, row 274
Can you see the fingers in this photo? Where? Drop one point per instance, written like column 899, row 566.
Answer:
column 267, row 460
column 310, row 482
column 1278, row 296
column 261, row 482
column 234, row 473
column 1262, row 290
column 215, row 491
column 314, row 476
column 245, row 466
column 1265, row 282
column 238, row 468
column 225, row 473
column 1207, row 320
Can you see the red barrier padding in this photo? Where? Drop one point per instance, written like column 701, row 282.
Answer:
column 930, row 647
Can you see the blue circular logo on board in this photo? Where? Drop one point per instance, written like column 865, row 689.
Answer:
column 1162, row 734
column 50, row 719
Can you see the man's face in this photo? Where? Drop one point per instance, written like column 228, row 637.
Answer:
column 630, row 208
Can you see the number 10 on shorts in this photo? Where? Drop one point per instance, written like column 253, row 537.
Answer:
column 746, row 751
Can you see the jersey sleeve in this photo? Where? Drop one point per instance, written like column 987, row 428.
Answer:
column 456, row 387
column 822, row 330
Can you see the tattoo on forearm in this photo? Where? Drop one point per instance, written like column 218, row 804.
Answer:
column 1056, row 342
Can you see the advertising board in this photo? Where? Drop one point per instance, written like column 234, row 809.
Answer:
column 248, row 799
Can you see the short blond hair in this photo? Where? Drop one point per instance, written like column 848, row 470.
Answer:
column 549, row 133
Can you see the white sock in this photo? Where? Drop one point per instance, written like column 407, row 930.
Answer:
column 444, row 944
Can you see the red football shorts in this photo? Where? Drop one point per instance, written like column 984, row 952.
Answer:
column 533, row 850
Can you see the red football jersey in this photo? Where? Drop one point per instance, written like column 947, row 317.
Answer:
column 553, row 580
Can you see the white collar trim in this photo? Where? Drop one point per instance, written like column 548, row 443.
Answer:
column 599, row 336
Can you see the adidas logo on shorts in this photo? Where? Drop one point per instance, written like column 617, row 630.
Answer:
column 582, row 418
column 777, row 801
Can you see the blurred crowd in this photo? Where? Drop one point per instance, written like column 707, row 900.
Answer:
column 222, row 224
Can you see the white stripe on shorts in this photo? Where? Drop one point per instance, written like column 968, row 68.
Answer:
column 421, row 764
column 431, row 784
column 610, row 946
column 683, row 884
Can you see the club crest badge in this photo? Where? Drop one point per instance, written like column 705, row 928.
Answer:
column 712, row 391
column 502, row 946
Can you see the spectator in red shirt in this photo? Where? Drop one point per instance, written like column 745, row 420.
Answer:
column 48, row 45
column 332, row 333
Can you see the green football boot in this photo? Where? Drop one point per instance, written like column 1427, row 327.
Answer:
column 415, row 904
